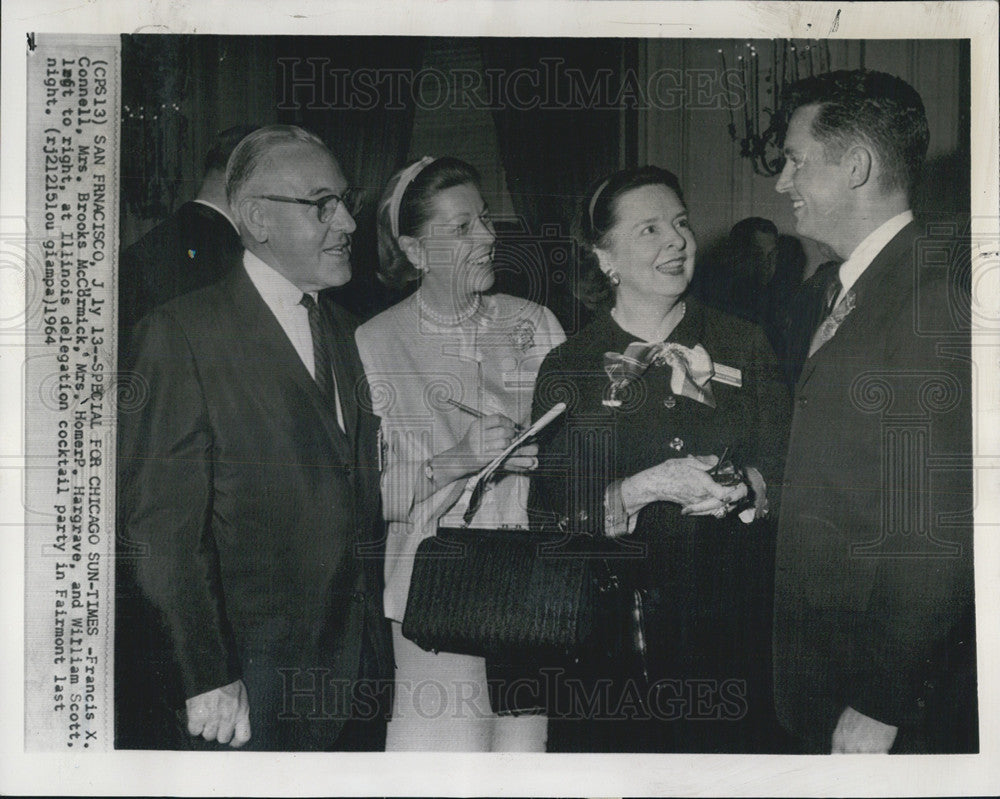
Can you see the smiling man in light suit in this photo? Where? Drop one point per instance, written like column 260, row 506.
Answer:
column 249, row 478
column 874, row 632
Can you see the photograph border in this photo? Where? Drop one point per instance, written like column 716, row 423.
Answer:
column 173, row 773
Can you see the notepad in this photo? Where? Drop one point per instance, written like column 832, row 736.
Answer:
column 463, row 511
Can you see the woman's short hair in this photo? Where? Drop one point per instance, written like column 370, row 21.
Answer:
column 251, row 153
column 415, row 211
column 598, row 214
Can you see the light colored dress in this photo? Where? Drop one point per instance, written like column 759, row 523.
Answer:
column 414, row 362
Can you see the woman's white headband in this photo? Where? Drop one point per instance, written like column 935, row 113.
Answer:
column 593, row 201
column 405, row 179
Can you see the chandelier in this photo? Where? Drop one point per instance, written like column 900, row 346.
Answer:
column 757, row 120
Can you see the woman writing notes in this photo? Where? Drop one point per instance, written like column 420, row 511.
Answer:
column 451, row 371
column 658, row 387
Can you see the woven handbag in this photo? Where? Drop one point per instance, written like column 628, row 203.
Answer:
column 514, row 595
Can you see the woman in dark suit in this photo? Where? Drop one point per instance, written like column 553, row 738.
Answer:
column 658, row 387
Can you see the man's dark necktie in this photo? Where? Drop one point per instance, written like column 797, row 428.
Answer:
column 831, row 293
column 322, row 356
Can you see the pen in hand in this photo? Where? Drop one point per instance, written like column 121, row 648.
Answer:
column 463, row 407
column 473, row 412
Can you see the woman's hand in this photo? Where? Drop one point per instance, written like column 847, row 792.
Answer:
column 684, row 481
column 715, row 506
column 484, row 440
column 759, row 506
column 523, row 459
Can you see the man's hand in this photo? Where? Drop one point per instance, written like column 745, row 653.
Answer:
column 222, row 714
column 856, row 733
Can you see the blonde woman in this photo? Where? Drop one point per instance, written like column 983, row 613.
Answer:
column 447, row 343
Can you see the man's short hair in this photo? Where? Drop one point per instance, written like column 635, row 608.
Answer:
column 251, row 153
column 879, row 110
column 223, row 146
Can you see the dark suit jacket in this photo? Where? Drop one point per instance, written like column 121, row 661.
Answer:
column 251, row 503
column 874, row 564
column 194, row 247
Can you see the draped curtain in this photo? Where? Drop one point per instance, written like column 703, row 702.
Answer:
column 348, row 91
column 178, row 93
column 157, row 167
column 568, row 134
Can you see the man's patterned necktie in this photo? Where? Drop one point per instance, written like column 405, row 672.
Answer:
column 833, row 317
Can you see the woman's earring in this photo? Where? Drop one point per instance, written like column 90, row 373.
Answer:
column 421, row 265
column 614, row 278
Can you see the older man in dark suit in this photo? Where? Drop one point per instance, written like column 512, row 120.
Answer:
column 249, row 477
column 874, row 591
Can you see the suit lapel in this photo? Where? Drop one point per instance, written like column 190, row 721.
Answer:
column 280, row 359
column 875, row 285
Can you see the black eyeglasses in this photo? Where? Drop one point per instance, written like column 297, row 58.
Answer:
column 326, row 206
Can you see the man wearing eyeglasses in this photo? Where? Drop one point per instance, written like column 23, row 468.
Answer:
column 249, row 478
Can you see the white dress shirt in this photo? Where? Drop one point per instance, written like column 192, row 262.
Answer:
column 865, row 252
column 284, row 299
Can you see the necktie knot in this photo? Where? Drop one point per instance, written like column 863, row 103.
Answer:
column 833, row 288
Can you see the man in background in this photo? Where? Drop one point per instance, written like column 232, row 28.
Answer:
column 193, row 247
column 874, row 624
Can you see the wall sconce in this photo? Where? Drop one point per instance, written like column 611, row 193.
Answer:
column 760, row 139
